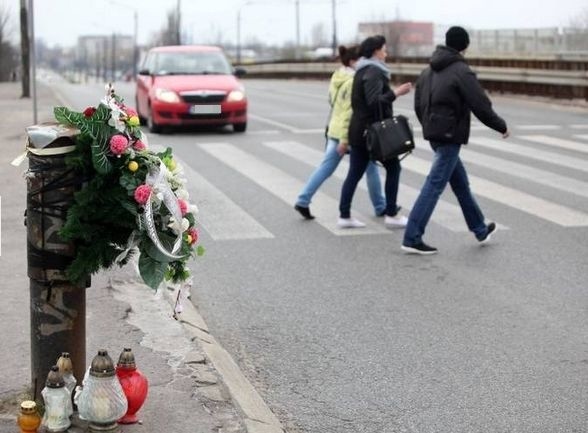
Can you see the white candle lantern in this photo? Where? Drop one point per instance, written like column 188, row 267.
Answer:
column 101, row 401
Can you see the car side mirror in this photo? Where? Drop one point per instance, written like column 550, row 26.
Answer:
column 144, row 72
column 239, row 72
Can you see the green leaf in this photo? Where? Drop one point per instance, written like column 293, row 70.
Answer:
column 67, row 116
column 200, row 251
column 151, row 271
column 99, row 148
column 167, row 241
column 129, row 182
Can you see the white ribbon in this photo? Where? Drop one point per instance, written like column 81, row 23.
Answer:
column 157, row 179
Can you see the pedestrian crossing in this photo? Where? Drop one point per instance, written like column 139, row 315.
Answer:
column 223, row 219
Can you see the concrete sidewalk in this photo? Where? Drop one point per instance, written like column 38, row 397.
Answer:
column 186, row 393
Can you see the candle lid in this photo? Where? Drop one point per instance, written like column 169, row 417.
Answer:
column 64, row 363
column 28, row 406
column 126, row 358
column 102, row 365
column 54, row 378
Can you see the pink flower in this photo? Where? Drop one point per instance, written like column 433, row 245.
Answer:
column 142, row 194
column 139, row 145
column 130, row 111
column 88, row 112
column 192, row 235
column 183, row 206
column 118, row 144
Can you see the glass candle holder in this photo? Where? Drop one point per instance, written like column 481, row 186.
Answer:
column 28, row 419
column 101, row 401
column 134, row 385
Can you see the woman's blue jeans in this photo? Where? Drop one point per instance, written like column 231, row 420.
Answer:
column 360, row 163
column 446, row 168
column 328, row 166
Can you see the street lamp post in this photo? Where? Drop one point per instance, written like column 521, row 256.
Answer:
column 334, row 11
column 239, row 29
column 297, row 52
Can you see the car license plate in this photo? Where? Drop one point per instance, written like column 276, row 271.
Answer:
column 205, row 109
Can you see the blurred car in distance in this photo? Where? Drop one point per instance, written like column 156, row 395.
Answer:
column 190, row 85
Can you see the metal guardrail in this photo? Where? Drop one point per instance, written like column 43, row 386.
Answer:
column 548, row 82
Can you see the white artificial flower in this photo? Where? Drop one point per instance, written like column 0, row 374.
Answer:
column 183, row 194
column 185, row 224
column 193, row 209
column 173, row 225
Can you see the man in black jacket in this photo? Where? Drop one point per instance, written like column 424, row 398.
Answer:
column 445, row 95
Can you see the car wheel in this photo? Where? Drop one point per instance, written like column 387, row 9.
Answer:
column 240, row 127
column 151, row 125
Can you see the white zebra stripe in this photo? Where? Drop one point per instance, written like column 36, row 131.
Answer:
column 556, row 142
column 558, row 214
column 286, row 188
column 235, row 222
column 531, row 152
column 446, row 214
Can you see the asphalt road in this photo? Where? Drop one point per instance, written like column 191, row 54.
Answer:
column 340, row 331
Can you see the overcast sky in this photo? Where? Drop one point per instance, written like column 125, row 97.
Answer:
column 62, row 21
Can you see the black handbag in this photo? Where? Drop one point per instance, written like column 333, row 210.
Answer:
column 389, row 138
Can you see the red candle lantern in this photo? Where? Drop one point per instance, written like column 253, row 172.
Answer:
column 134, row 385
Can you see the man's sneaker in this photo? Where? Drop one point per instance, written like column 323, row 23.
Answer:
column 395, row 222
column 423, row 249
column 304, row 211
column 489, row 232
column 349, row 223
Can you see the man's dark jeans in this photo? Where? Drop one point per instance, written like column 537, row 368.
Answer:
column 447, row 167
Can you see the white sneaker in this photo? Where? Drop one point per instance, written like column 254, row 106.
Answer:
column 395, row 222
column 349, row 223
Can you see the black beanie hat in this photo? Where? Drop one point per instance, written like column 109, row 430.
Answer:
column 457, row 38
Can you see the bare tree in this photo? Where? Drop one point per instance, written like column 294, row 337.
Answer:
column 24, row 50
column 170, row 33
column 580, row 21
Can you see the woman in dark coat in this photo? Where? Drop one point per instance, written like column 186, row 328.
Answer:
column 371, row 100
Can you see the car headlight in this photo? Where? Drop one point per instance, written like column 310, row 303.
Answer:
column 236, row 96
column 165, row 95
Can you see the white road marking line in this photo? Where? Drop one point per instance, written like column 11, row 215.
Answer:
column 446, row 214
column 542, row 177
column 531, row 152
column 221, row 217
column 538, row 127
column 556, row 142
column 579, row 126
column 581, row 136
column 264, row 132
column 287, row 127
column 286, row 188
column 558, row 214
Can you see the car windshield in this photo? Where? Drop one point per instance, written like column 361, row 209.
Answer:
column 190, row 63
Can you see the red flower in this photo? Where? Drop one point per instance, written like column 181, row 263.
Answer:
column 118, row 144
column 183, row 206
column 139, row 145
column 88, row 112
column 142, row 194
column 193, row 233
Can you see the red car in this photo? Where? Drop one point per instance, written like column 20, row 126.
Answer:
column 190, row 85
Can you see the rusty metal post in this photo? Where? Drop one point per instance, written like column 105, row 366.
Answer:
column 58, row 307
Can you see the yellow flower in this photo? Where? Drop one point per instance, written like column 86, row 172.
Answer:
column 134, row 121
column 189, row 239
column 170, row 163
column 133, row 166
